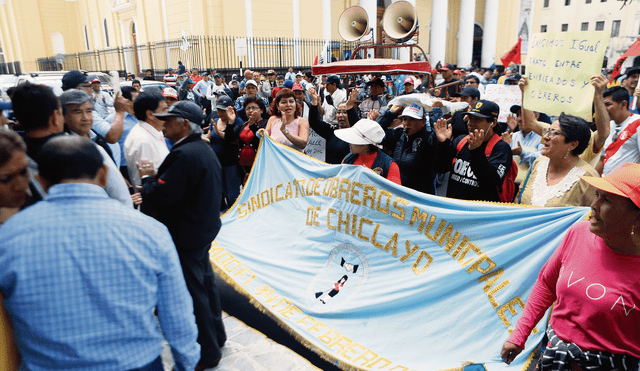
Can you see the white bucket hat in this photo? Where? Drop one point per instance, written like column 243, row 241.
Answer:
column 363, row 132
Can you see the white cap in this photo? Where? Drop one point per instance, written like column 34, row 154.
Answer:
column 251, row 82
column 415, row 111
column 363, row 132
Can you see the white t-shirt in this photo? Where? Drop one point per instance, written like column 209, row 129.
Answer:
column 628, row 152
column 143, row 141
column 339, row 96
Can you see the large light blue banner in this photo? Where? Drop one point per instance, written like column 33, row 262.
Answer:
column 375, row 276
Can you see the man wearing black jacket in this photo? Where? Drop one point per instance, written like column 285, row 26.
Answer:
column 336, row 148
column 474, row 174
column 185, row 196
column 412, row 146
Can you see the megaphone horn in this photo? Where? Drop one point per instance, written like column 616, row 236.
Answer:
column 400, row 21
column 353, row 23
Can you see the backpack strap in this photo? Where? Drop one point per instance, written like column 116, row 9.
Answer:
column 492, row 142
column 461, row 144
column 459, row 147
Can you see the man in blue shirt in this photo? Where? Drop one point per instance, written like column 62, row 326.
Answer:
column 81, row 275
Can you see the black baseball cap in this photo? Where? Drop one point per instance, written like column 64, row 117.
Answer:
column 468, row 91
column 73, row 78
column 223, row 102
column 515, row 108
column 376, row 81
column 447, row 67
column 632, row 70
column 517, row 77
column 333, row 79
column 185, row 109
column 485, row 109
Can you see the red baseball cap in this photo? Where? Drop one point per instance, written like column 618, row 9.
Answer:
column 408, row 80
column 622, row 181
column 297, row 87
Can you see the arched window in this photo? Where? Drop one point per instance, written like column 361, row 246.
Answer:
column 86, row 37
column 57, row 41
column 106, row 33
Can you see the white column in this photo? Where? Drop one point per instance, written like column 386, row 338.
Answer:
column 438, row 40
column 465, row 32
column 490, row 32
column 296, row 32
column 371, row 6
column 326, row 27
column 166, row 32
column 135, row 22
column 125, row 42
column 249, row 19
column 404, row 53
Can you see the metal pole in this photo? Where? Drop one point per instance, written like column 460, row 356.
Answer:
column 280, row 51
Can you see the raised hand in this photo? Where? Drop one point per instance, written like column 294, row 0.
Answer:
column 443, row 130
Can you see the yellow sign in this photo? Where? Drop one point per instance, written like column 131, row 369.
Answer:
column 559, row 68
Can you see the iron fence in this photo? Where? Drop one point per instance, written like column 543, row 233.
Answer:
column 204, row 52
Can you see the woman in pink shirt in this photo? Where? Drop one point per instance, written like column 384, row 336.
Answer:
column 285, row 125
column 594, row 278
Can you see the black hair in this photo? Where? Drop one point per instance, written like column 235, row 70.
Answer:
column 146, row 101
column 575, row 128
column 135, row 81
column 33, row 105
column 127, row 91
column 257, row 100
column 10, row 142
column 10, row 91
column 68, row 157
column 617, row 94
column 472, row 77
column 345, row 277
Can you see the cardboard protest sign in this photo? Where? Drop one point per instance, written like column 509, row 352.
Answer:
column 316, row 146
column 559, row 68
column 506, row 96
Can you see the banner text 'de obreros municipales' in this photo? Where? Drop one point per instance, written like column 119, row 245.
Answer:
column 559, row 70
column 376, row 276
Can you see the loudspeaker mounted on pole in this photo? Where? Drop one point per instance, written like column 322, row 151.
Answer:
column 353, row 23
column 400, row 21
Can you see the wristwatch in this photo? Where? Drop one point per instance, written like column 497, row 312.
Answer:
column 286, row 131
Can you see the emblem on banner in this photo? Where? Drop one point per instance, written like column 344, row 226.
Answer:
column 340, row 279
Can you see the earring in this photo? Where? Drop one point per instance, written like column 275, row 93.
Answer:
column 566, row 154
column 633, row 227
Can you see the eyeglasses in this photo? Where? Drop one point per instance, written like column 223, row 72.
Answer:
column 551, row 133
column 252, row 108
column 342, row 112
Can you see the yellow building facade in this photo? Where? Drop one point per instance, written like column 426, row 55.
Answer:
column 451, row 31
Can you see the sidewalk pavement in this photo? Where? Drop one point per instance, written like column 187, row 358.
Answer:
column 249, row 350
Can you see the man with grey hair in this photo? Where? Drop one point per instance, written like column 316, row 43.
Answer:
column 185, row 195
column 77, row 109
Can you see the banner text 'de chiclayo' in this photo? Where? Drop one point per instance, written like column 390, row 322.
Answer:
column 559, row 69
column 375, row 276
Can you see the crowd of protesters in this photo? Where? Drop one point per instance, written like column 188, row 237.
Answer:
column 182, row 154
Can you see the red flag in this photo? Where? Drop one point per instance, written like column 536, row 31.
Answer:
column 315, row 61
column 513, row 55
column 634, row 50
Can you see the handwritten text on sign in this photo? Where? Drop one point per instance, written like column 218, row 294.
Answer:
column 316, row 146
column 559, row 68
column 506, row 96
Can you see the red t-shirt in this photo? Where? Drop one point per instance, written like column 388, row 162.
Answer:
column 597, row 292
column 367, row 161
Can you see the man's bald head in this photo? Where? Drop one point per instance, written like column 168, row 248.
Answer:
column 70, row 159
